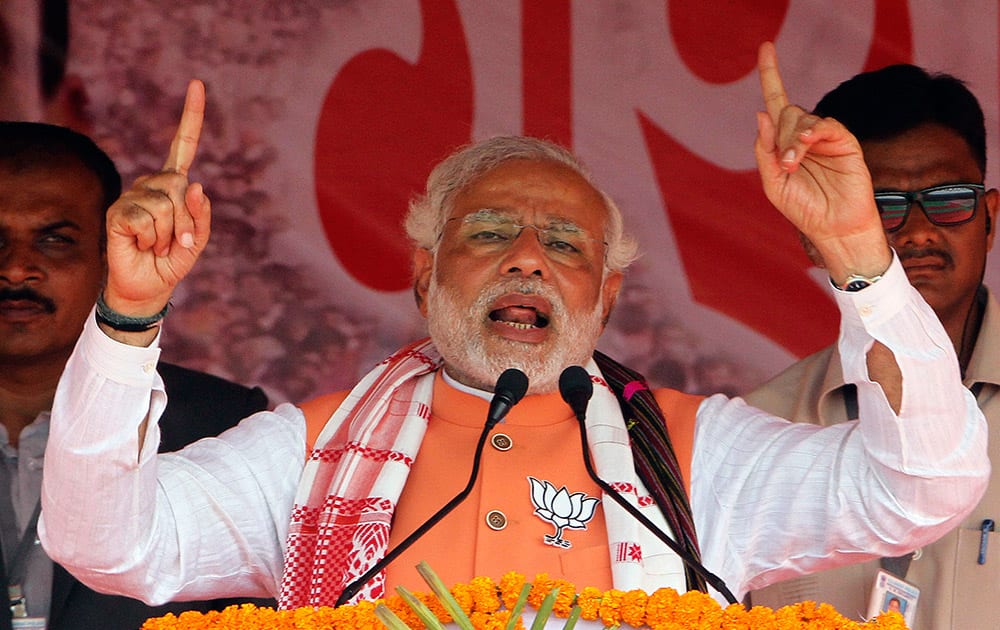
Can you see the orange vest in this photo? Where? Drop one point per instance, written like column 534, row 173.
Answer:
column 545, row 440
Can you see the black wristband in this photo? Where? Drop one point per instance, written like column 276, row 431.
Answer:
column 125, row 323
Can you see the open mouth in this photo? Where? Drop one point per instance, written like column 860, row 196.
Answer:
column 521, row 313
column 520, row 317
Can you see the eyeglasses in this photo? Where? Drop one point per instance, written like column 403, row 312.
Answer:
column 564, row 242
column 945, row 206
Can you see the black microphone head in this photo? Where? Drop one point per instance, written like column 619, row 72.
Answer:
column 510, row 389
column 576, row 389
column 513, row 383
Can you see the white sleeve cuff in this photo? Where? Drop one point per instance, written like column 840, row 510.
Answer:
column 130, row 365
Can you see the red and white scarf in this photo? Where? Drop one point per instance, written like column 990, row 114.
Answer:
column 353, row 478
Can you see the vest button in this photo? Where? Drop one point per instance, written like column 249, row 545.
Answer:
column 496, row 520
column 501, row 441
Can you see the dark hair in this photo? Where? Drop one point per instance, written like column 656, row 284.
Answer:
column 29, row 144
column 882, row 104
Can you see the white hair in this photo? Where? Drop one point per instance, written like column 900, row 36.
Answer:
column 428, row 212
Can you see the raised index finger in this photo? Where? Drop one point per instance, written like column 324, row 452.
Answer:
column 185, row 142
column 771, row 87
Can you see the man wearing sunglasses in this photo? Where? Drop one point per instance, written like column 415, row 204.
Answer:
column 924, row 143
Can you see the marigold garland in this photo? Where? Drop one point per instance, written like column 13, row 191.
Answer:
column 486, row 603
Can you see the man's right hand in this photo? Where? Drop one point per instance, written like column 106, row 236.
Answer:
column 158, row 228
column 814, row 172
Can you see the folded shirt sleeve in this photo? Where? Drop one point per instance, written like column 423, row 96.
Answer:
column 127, row 521
column 774, row 499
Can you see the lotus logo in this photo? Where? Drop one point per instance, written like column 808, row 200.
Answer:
column 562, row 509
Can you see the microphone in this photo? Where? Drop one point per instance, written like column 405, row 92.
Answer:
column 509, row 390
column 576, row 388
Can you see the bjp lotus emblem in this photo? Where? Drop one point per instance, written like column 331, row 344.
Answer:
column 563, row 509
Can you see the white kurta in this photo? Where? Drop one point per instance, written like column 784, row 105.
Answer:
column 770, row 498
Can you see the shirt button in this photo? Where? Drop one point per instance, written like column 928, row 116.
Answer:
column 496, row 520
column 501, row 442
column 865, row 310
column 148, row 367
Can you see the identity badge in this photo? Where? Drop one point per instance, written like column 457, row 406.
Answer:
column 892, row 593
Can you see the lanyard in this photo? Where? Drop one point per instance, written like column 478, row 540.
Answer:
column 5, row 617
column 19, row 565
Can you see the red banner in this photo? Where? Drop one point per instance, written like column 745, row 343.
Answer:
column 325, row 117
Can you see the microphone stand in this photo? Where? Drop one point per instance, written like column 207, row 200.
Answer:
column 712, row 579
column 352, row 589
column 576, row 389
column 510, row 388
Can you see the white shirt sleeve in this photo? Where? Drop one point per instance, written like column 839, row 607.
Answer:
column 773, row 499
column 129, row 522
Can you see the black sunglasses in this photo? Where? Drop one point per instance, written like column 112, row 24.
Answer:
column 947, row 205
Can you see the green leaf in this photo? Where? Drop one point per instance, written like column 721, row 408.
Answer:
column 545, row 610
column 426, row 614
column 574, row 615
column 515, row 612
column 389, row 619
column 444, row 596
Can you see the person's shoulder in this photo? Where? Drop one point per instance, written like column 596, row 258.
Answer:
column 666, row 396
column 318, row 411
column 990, row 327
column 680, row 409
column 185, row 377
column 810, row 369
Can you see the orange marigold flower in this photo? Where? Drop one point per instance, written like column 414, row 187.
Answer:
column 322, row 618
column 436, row 606
column 510, row 588
column 611, row 604
column 660, row 606
column 692, row 606
column 493, row 621
column 736, row 617
column 665, row 609
column 399, row 606
column 634, row 607
column 540, row 588
column 890, row 621
column 589, row 601
column 464, row 596
column 565, row 598
column 485, row 595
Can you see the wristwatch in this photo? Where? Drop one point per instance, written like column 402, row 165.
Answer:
column 854, row 282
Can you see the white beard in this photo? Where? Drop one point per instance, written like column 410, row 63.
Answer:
column 476, row 357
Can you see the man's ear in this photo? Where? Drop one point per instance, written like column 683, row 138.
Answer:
column 992, row 203
column 609, row 293
column 423, row 267
column 811, row 251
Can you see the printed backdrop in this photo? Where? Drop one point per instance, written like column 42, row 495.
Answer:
column 326, row 116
